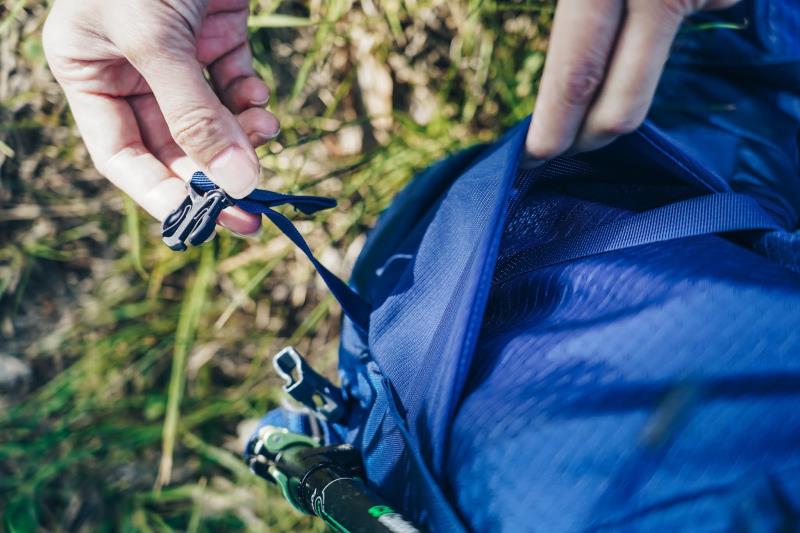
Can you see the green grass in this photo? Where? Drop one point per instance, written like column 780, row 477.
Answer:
column 145, row 362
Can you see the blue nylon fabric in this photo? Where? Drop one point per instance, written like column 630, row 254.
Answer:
column 713, row 213
column 731, row 99
column 260, row 202
column 636, row 372
column 416, row 371
column 483, row 467
column 652, row 387
column 430, row 315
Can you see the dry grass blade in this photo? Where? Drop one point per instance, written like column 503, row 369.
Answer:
column 278, row 21
column 188, row 321
column 135, row 244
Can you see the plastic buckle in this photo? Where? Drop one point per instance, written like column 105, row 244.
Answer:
column 195, row 219
column 308, row 387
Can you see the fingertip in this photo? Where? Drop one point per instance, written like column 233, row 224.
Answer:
column 240, row 222
column 243, row 192
column 256, row 92
column 235, row 170
column 259, row 124
column 257, row 139
column 590, row 143
column 540, row 147
column 527, row 162
column 245, row 93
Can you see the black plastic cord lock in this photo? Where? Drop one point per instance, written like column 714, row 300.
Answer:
column 195, row 219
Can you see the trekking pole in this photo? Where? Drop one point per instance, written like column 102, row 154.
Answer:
column 325, row 481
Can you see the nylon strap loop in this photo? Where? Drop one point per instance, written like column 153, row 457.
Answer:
column 260, row 202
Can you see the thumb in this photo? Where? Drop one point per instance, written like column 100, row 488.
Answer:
column 201, row 126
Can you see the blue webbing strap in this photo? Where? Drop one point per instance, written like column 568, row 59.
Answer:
column 260, row 201
column 713, row 213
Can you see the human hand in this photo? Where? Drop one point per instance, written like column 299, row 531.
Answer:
column 604, row 61
column 133, row 73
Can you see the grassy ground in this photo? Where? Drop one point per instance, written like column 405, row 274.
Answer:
column 129, row 357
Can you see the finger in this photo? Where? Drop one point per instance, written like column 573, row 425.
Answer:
column 221, row 32
column 156, row 136
column 581, row 41
column 203, row 128
column 109, row 129
column 152, row 126
column 632, row 76
column 260, row 125
column 157, row 139
column 240, row 221
column 224, row 48
column 244, row 93
column 236, row 81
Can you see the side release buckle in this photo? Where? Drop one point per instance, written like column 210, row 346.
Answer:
column 308, row 387
column 195, row 219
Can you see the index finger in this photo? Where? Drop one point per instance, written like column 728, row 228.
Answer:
column 581, row 41
column 112, row 136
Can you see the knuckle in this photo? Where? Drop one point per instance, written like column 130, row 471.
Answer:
column 617, row 123
column 199, row 130
column 680, row 8
column 546, row 149
column 581, row 81
column 720, row 4
column 108, row 165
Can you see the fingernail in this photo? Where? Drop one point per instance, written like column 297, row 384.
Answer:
column 234, row 171
column 271, row 135
column 259, row 103
column 529, row 163
column 254, row 236
column 259, row 138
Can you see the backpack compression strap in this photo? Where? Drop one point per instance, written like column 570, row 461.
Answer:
column 712, row 213
column 260, row 202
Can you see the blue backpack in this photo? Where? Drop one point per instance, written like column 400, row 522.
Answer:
column 606, row 342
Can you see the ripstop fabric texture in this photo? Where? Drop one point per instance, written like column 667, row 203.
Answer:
column 609, row 341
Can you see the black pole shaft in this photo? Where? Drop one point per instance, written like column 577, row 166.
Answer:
column 347, row 505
